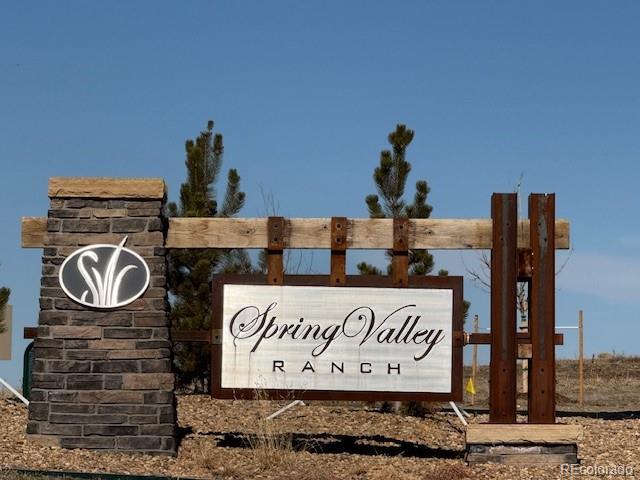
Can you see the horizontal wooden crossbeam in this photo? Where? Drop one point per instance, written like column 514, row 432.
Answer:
column 521, row 338
column 306, row 233
column 362, row 233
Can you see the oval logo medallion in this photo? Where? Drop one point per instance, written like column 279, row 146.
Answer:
column 104, row 276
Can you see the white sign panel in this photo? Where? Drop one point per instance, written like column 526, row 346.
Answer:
column 327, row 338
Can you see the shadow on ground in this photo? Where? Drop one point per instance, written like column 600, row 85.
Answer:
column 324, row 443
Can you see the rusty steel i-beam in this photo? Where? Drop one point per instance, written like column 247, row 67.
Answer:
column 502, row 388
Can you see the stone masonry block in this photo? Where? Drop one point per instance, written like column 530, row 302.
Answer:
column 116, row 366
column 82, row 419
column 143, row 419
column 155, row 366
column 52, row 317
column 86, row 354
column 68, row 366
column 38, row 411
column 89, row 442
column 156, row 319
column 98, row 397
column 128, row 225
column 127, row 333
column 139, row 354
column 110, row 430
column 113, row 382
column 85, row 382
column 76, row 332
column 73, row 408
column 148, row 381
column 86, row 226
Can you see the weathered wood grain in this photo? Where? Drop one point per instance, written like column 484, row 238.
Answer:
column 523, row 433
column 34, row 231
column 103, row 187
column 363, row 233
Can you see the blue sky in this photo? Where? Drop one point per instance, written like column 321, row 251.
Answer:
column 305, row 94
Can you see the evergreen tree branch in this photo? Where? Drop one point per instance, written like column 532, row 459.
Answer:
column 234, row 198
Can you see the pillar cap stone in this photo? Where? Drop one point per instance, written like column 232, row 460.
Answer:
column 107, row 187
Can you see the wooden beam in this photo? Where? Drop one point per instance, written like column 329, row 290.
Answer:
column 362, row 233
column 400, row 259
column 303, row 233
column 275, row 263
column 338, row 272
column 34, row 232
column 521, row 338
column 30, row 333
column 523, row 433
column 104, row 187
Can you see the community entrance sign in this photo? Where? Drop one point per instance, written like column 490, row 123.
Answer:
column 102, row 375
column 310, row 340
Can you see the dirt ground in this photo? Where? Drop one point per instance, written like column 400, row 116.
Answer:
column 611, row 383
column 232, row 439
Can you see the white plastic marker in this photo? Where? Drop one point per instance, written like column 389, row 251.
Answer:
column 455, row 409
column 285, row 408
column 14, row 391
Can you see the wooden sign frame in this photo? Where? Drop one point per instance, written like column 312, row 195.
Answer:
column 453, row 283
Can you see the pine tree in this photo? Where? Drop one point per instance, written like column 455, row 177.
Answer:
column 390, row 178
column 190, row 271
column 4, row 300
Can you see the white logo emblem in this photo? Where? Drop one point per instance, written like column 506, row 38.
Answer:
column 104, row 276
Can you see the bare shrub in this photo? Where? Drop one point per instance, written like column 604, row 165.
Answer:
column 271, row 447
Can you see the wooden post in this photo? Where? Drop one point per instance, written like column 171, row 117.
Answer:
column 474, row 364
column 581, row 359
column 275, row 267
column 400, row 260
column 504, row 259
column 542, row 378
column 338, row 250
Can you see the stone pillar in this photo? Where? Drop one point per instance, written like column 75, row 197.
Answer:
column 103, row 379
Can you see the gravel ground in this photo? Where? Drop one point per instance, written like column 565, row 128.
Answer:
column 230, row 439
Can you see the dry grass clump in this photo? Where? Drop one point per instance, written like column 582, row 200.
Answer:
column 271, row 447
